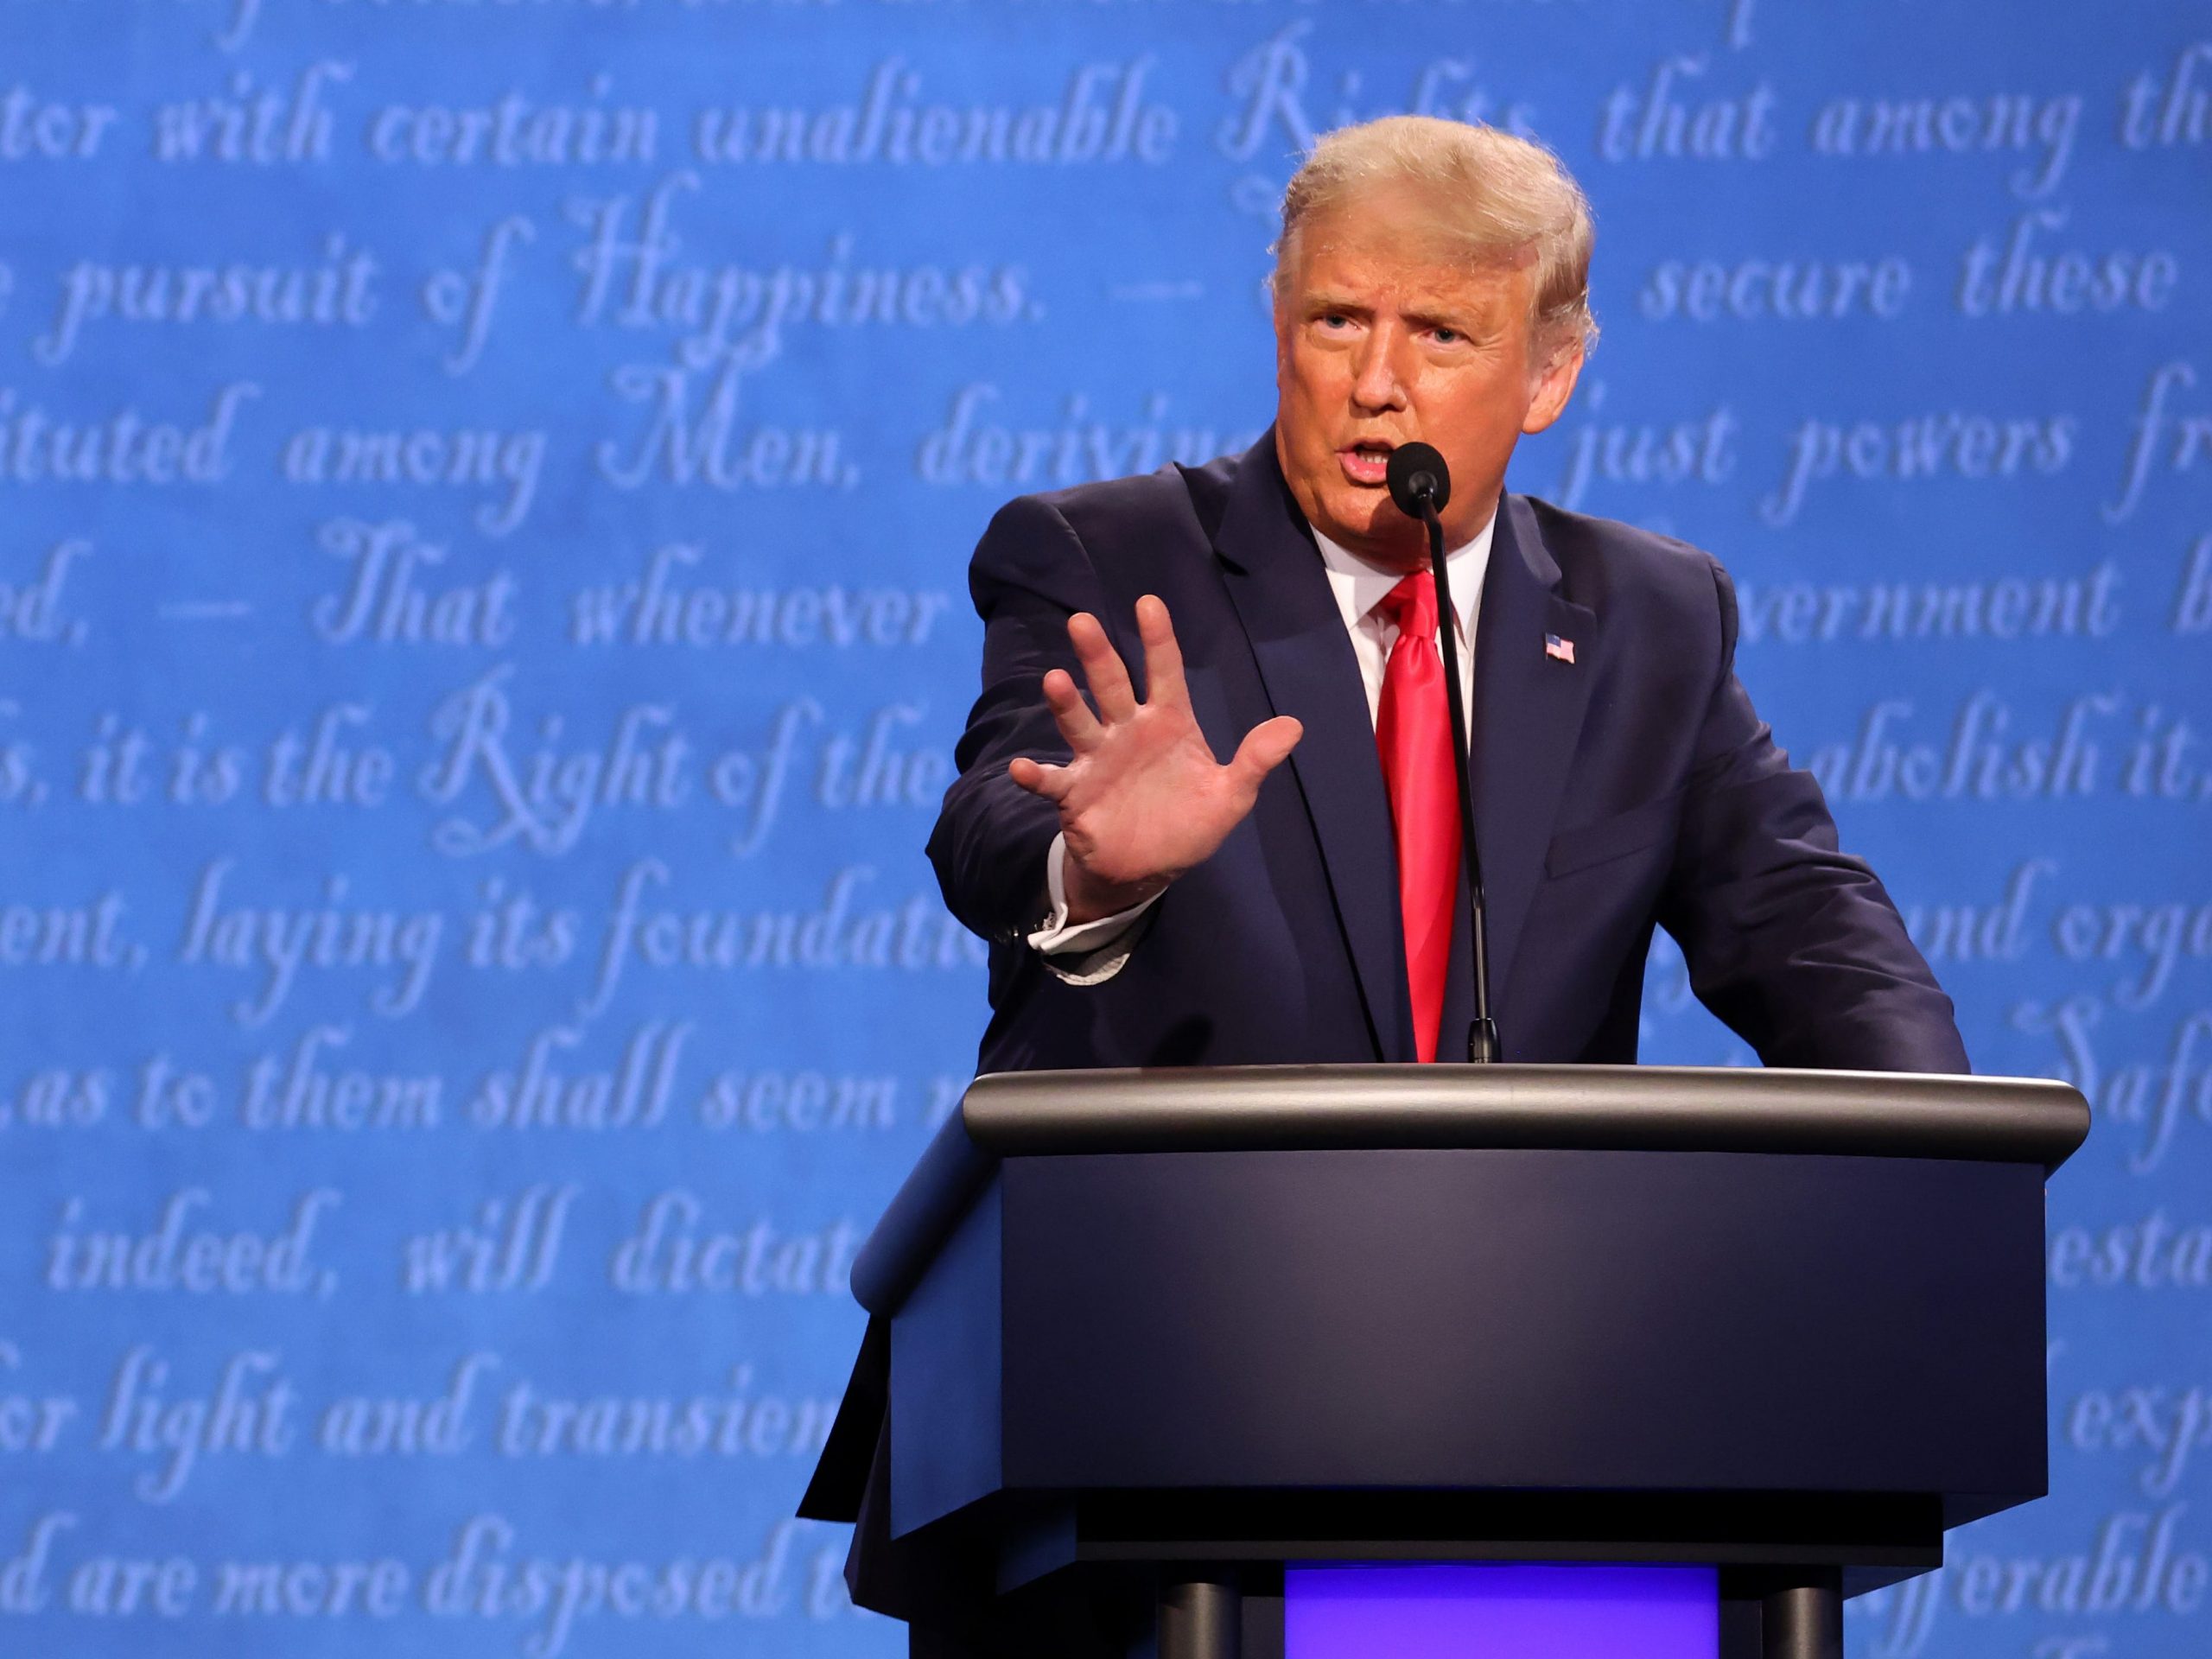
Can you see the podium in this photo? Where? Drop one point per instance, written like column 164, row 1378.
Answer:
column 1164, row 1363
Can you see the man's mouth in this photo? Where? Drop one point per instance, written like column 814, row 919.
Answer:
column 1368, row 462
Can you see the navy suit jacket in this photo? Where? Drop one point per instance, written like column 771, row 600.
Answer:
column 1633, row 788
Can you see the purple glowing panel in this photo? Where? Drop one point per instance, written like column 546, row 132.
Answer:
column 1501, row 1612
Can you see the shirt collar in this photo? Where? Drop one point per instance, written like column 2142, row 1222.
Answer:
column 1359, row 586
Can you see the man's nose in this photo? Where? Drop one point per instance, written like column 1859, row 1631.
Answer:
column 1376, row 384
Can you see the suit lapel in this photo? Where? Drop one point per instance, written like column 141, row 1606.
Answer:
column 1276, row 580
column 1528, row 714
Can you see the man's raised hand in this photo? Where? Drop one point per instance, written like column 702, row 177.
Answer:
column 1142, row 798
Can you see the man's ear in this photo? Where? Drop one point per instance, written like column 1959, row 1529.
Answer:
column 1553, row 387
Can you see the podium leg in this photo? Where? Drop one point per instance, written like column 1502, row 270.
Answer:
column 1804, row 1619
column 1201, row 1616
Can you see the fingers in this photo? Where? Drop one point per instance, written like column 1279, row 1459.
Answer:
column 1052, row 782
column 1265, row 746
column 1102, row 668
column 1163, row 657
column 1070, row 713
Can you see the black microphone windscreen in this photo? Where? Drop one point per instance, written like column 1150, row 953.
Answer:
column 1416, row 471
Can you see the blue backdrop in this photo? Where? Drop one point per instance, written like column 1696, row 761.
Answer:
column 485, row 490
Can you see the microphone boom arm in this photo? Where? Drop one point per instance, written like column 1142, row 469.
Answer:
column 1482, row 1034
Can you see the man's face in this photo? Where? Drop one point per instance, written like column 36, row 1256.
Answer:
column 1381, row 340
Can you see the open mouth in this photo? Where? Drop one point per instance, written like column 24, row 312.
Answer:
column 1368, row 462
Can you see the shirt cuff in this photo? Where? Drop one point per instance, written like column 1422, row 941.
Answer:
column 1084, row 953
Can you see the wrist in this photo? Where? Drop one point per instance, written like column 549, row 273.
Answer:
column 1090, row 896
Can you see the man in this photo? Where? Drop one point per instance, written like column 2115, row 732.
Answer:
column 1151, row 904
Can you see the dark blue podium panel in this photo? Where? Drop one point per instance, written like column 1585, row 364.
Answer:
column 1522, row 1320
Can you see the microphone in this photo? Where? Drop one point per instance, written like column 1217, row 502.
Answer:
column 1420, row 485
column 1419, row 481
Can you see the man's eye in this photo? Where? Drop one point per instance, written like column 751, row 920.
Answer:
column 1448, row 336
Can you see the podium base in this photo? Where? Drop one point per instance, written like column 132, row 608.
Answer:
column 1201, row 1617
column 1803, row 1619
column 1502, row 1611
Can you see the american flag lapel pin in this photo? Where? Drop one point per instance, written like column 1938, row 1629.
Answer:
column 1562, row 649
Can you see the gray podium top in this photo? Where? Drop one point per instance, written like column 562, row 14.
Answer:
column 1627, row 1109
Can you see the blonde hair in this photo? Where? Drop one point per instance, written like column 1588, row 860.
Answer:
column 1501, row 198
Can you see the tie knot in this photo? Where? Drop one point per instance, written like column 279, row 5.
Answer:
column 1412, row 607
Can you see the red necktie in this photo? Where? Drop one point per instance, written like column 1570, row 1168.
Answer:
column 1412, row 730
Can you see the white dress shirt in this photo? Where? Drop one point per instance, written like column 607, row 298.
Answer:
column 1084, row 953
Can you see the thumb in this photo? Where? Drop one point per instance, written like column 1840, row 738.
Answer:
column 1264, row 748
